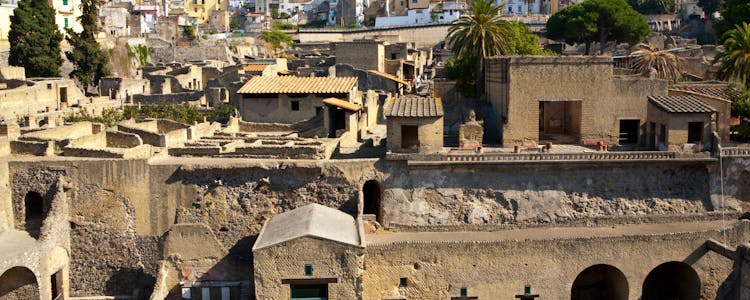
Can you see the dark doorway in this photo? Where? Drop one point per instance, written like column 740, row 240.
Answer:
column 63, row 94
column 371, row 200
column 57, row 284
column 409, row 137
column 672, row 280
column 310, row 292
column 695, row 132
column 35, row 212
column 629, row 131
column 337, row 121
column 18, row 283
column 600, row 282
column 560, row 121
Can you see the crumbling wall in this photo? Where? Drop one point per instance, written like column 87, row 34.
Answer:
column 117, row 139
column 540, row 193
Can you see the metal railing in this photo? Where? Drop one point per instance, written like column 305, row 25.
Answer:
column 735, row 151
column 635, row 155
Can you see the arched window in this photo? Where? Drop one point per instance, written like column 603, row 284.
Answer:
column 18, row 283
column 672, row 280
column 600, row 282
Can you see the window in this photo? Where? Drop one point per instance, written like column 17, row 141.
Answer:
column 464, row 292
column 308, row 270
column 295, row 105
column 195, row 1
column 402, row 282
column 414, row 1
column 65, row 2
column 409, row 137
column 203, row 1
column 66, row 22
column 402, row 3
column 695, row 132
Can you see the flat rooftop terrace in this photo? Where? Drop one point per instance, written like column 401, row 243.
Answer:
column 550, row 233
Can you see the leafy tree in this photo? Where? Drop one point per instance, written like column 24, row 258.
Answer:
column 598, row 21
column 463, row 69
column 734, row 62
column 234, row 23
column 523, row 42
column 653, row 7
column 189, row 32
column 650, row 61
column 480, row 35
column 276, row 39
column 710, row 7
column 733, row 13
column 89, row 59
column 34, row 39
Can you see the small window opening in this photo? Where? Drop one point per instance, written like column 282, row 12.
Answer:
column 308, row 270
column 403, row 282
column 464, row 292
column 295, row 105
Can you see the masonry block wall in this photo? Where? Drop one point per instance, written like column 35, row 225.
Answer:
column 328, row 259
column 516, row 85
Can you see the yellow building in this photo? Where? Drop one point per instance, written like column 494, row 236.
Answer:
column 67, row 14
column 202, row 10
column 5, row 12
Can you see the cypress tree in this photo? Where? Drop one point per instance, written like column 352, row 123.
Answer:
column 89, row 59
column 34, row 39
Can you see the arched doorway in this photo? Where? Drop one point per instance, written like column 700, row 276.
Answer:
column 35, row 212
column 672, row 280
column 18, row 283
column 600, row 282
column 371, row 200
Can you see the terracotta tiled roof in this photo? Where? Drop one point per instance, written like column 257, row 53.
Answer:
column 414, row 106
column 717, row 90
column 255, row 68
column 298, row 85
column 342, row 103
column 681, row 104
column 389, row 76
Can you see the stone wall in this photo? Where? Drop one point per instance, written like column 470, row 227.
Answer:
column 121, row 208
column 500, row 269
column 117, row 139
column 197, row 98
column 424, row 35
column 430, row 133
column 328, row 259
column 364, row 55
column 514, row 90
column 188, row 54
column 541, row 193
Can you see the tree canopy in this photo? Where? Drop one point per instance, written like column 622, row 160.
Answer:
column 89, row 59
column 34, row 39
column 599, row 21
column 652, row 62
column 653, row 7
column 734, row 62
column 463, row 69
column 733, row 13
column 481, row 34
column 710, row 6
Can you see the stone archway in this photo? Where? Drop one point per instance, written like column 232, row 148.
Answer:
column 672, row 280
column 600, row 282
column 371, row 200
column 18, row 283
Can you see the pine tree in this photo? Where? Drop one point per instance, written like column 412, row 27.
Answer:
column 34, row 39
column 89, row 59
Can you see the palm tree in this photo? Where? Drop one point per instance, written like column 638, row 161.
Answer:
column 649, row 61
column 734, row 63
column 480, row 35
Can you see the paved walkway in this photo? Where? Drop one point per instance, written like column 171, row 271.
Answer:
column 550, row 233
